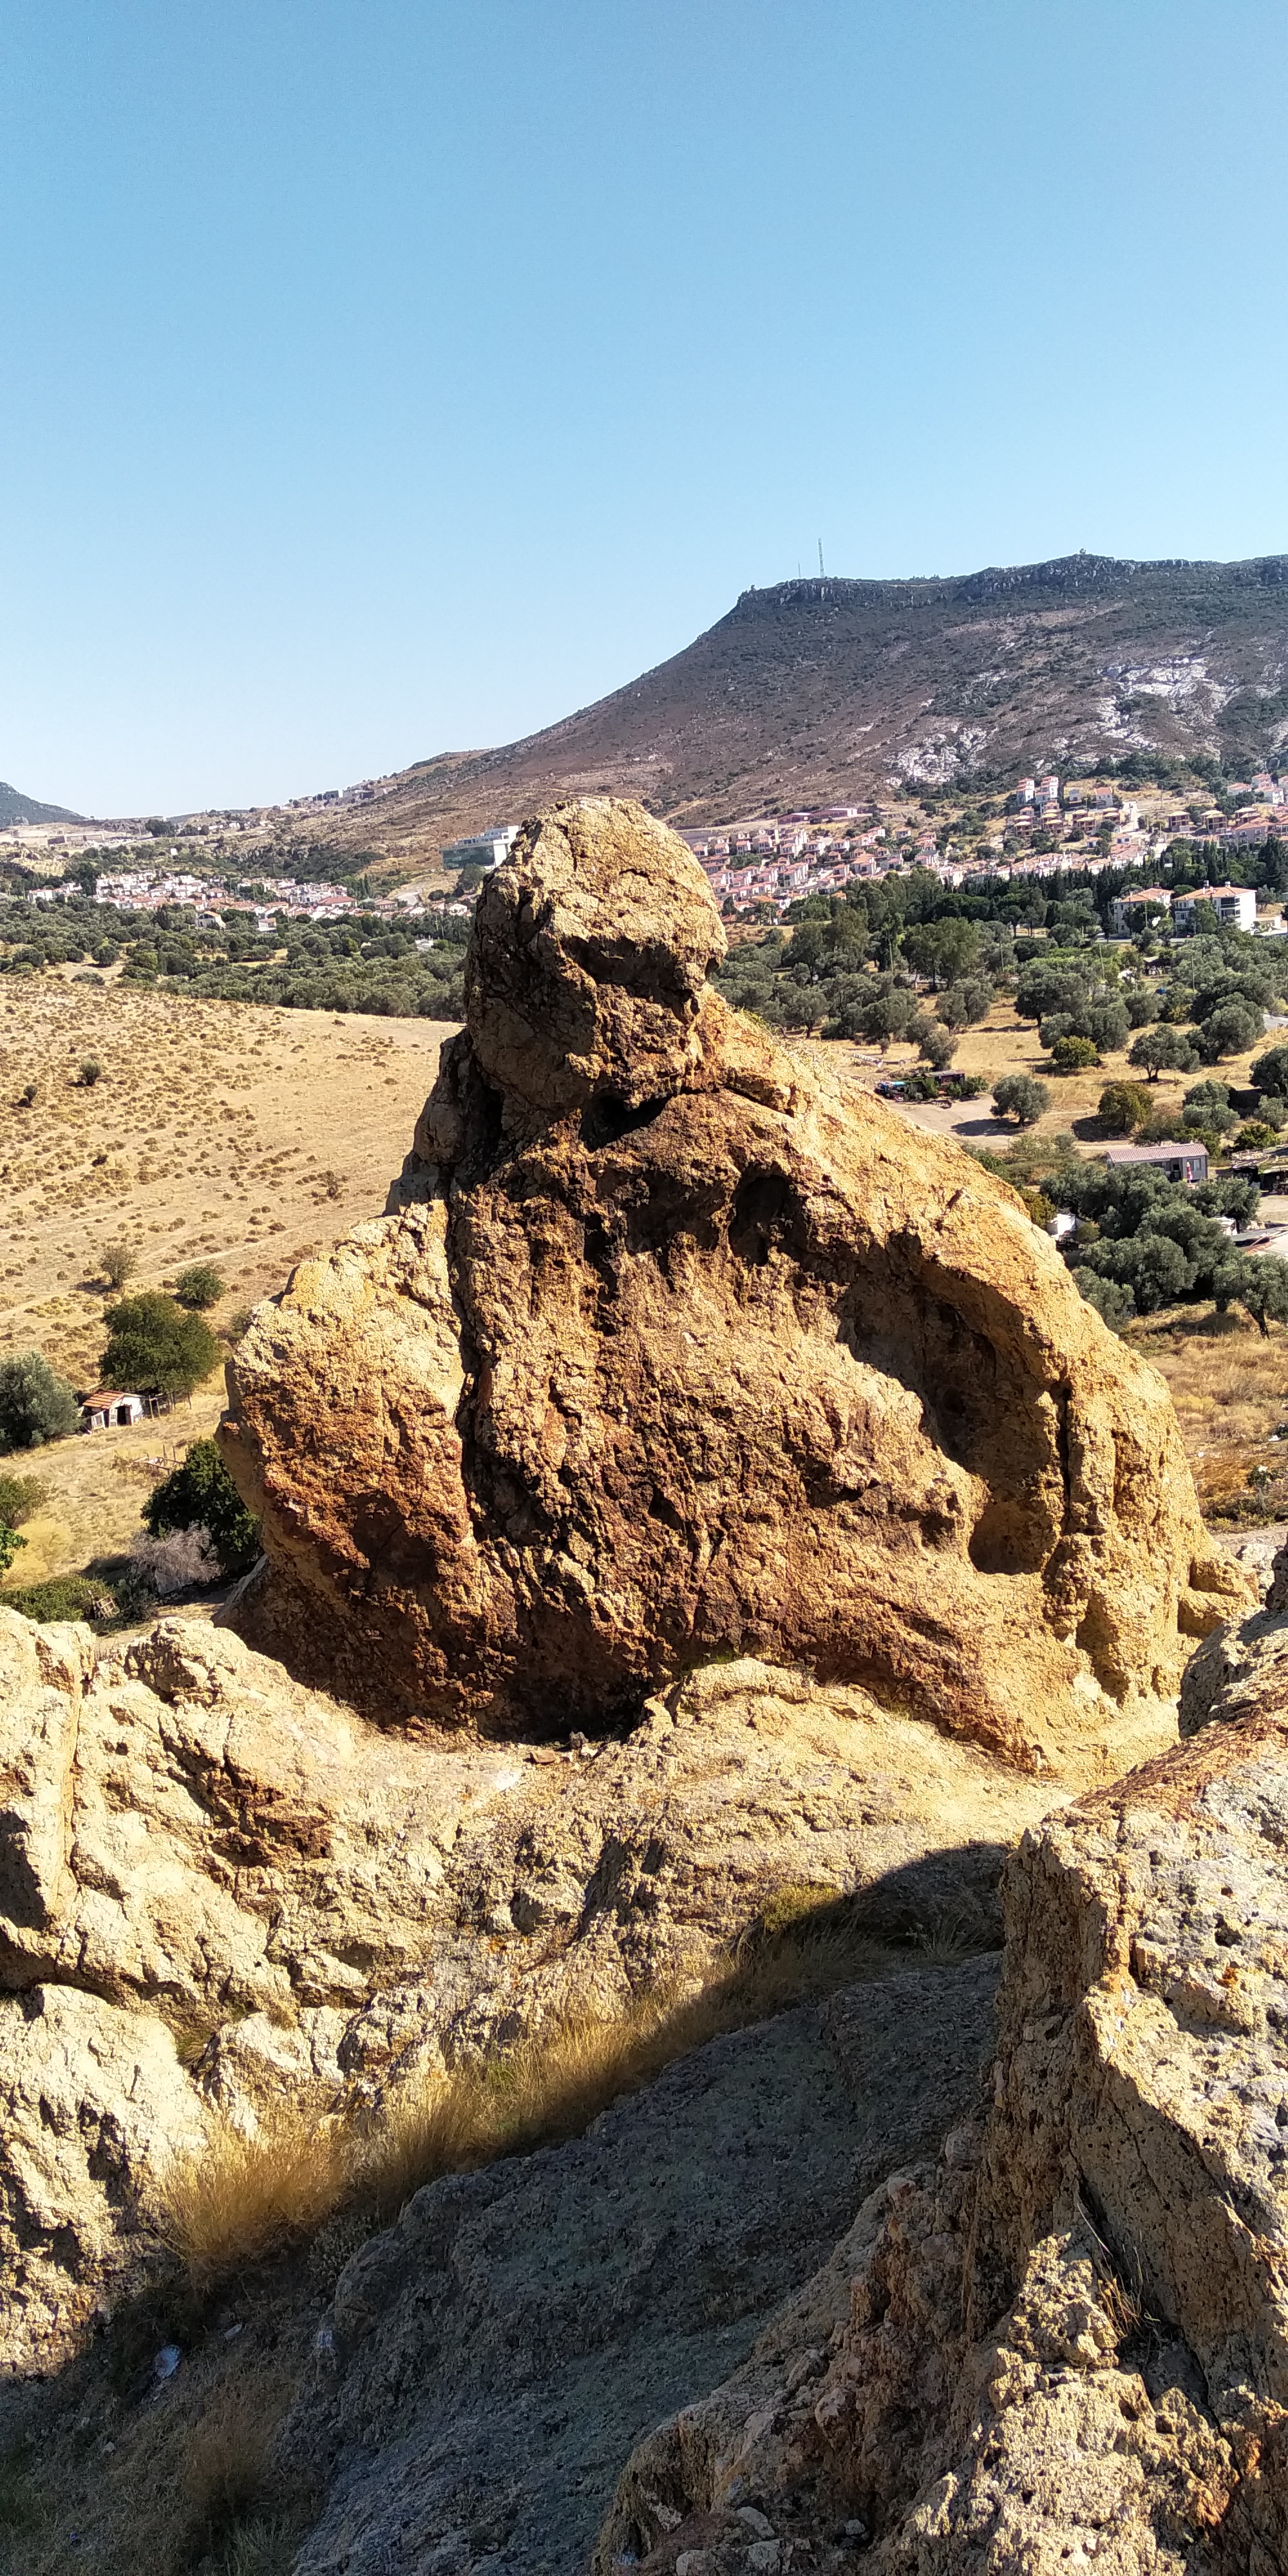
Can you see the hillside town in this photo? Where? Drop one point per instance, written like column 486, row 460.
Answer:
column 757, row 866
column 1049, row 826
column 262, row 900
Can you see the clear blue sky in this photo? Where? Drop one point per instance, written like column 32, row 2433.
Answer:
column 387, row 376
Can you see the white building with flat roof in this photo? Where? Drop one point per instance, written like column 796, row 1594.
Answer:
column 1235, row 906
column 483, row 849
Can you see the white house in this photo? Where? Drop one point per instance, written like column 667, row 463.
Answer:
column 1235, row 906
column 483, row 849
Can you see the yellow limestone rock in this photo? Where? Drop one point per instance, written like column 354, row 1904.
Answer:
column 667, row 1352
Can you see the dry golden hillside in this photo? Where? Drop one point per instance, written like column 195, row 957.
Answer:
column 215, row 1130
column 245, row 1137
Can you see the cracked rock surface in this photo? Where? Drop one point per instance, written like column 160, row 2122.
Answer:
column 500, row 2348
column 221, row 1892
column 1066, row 2342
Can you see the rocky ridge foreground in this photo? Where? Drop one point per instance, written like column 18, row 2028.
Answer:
column 1064, row 2343
column 223, row 1895
column 1061, row 2342
column 668, row 1352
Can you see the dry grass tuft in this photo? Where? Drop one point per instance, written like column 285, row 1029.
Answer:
column 1123, row 2307
column 227, row 2468
column 243, row 2198
column 261, row 2548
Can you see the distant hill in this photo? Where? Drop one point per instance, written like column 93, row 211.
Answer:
column 24, row 809
column 819, row 692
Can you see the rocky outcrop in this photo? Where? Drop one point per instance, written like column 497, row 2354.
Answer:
column 1066, row 2343
column 496, row 2353
column 220, row 1891
column 669, row 1351
column 93, row 2103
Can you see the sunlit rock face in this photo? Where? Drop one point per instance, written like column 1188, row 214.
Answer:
column 669, row 1350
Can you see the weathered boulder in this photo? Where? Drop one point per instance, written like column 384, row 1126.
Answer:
column 221, row 1890
column 669, row 1350
column 1067, row 2343
column 1242, row 1670
column 93, row 2104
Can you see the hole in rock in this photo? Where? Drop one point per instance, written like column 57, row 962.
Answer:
column 609, row 1117
column 1007, row 1539
column 763, row 1203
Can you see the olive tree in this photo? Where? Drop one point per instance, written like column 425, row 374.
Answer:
column 36, row 1404
column 1161, row 1049
column 1018, row 1096
column 157, row 1347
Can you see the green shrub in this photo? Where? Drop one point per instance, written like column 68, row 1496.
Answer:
column 10, row 1542
column 156, row 1346
column 21, row 1497
column 36, row 1404
column 65, row 1596
column 1074, row 1055
column 91, row 1072
column 199, row 1287
column 201, row 1495
column 1122, row 1107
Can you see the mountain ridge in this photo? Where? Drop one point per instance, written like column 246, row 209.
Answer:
column 825, row 689
column 17, row 808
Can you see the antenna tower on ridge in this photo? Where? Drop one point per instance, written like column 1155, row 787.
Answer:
column 820, row 559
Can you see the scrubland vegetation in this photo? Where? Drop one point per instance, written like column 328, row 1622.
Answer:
column 359, row 964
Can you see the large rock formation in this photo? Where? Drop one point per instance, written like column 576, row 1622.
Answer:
column 1066, row 2344
column 670, row 1351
